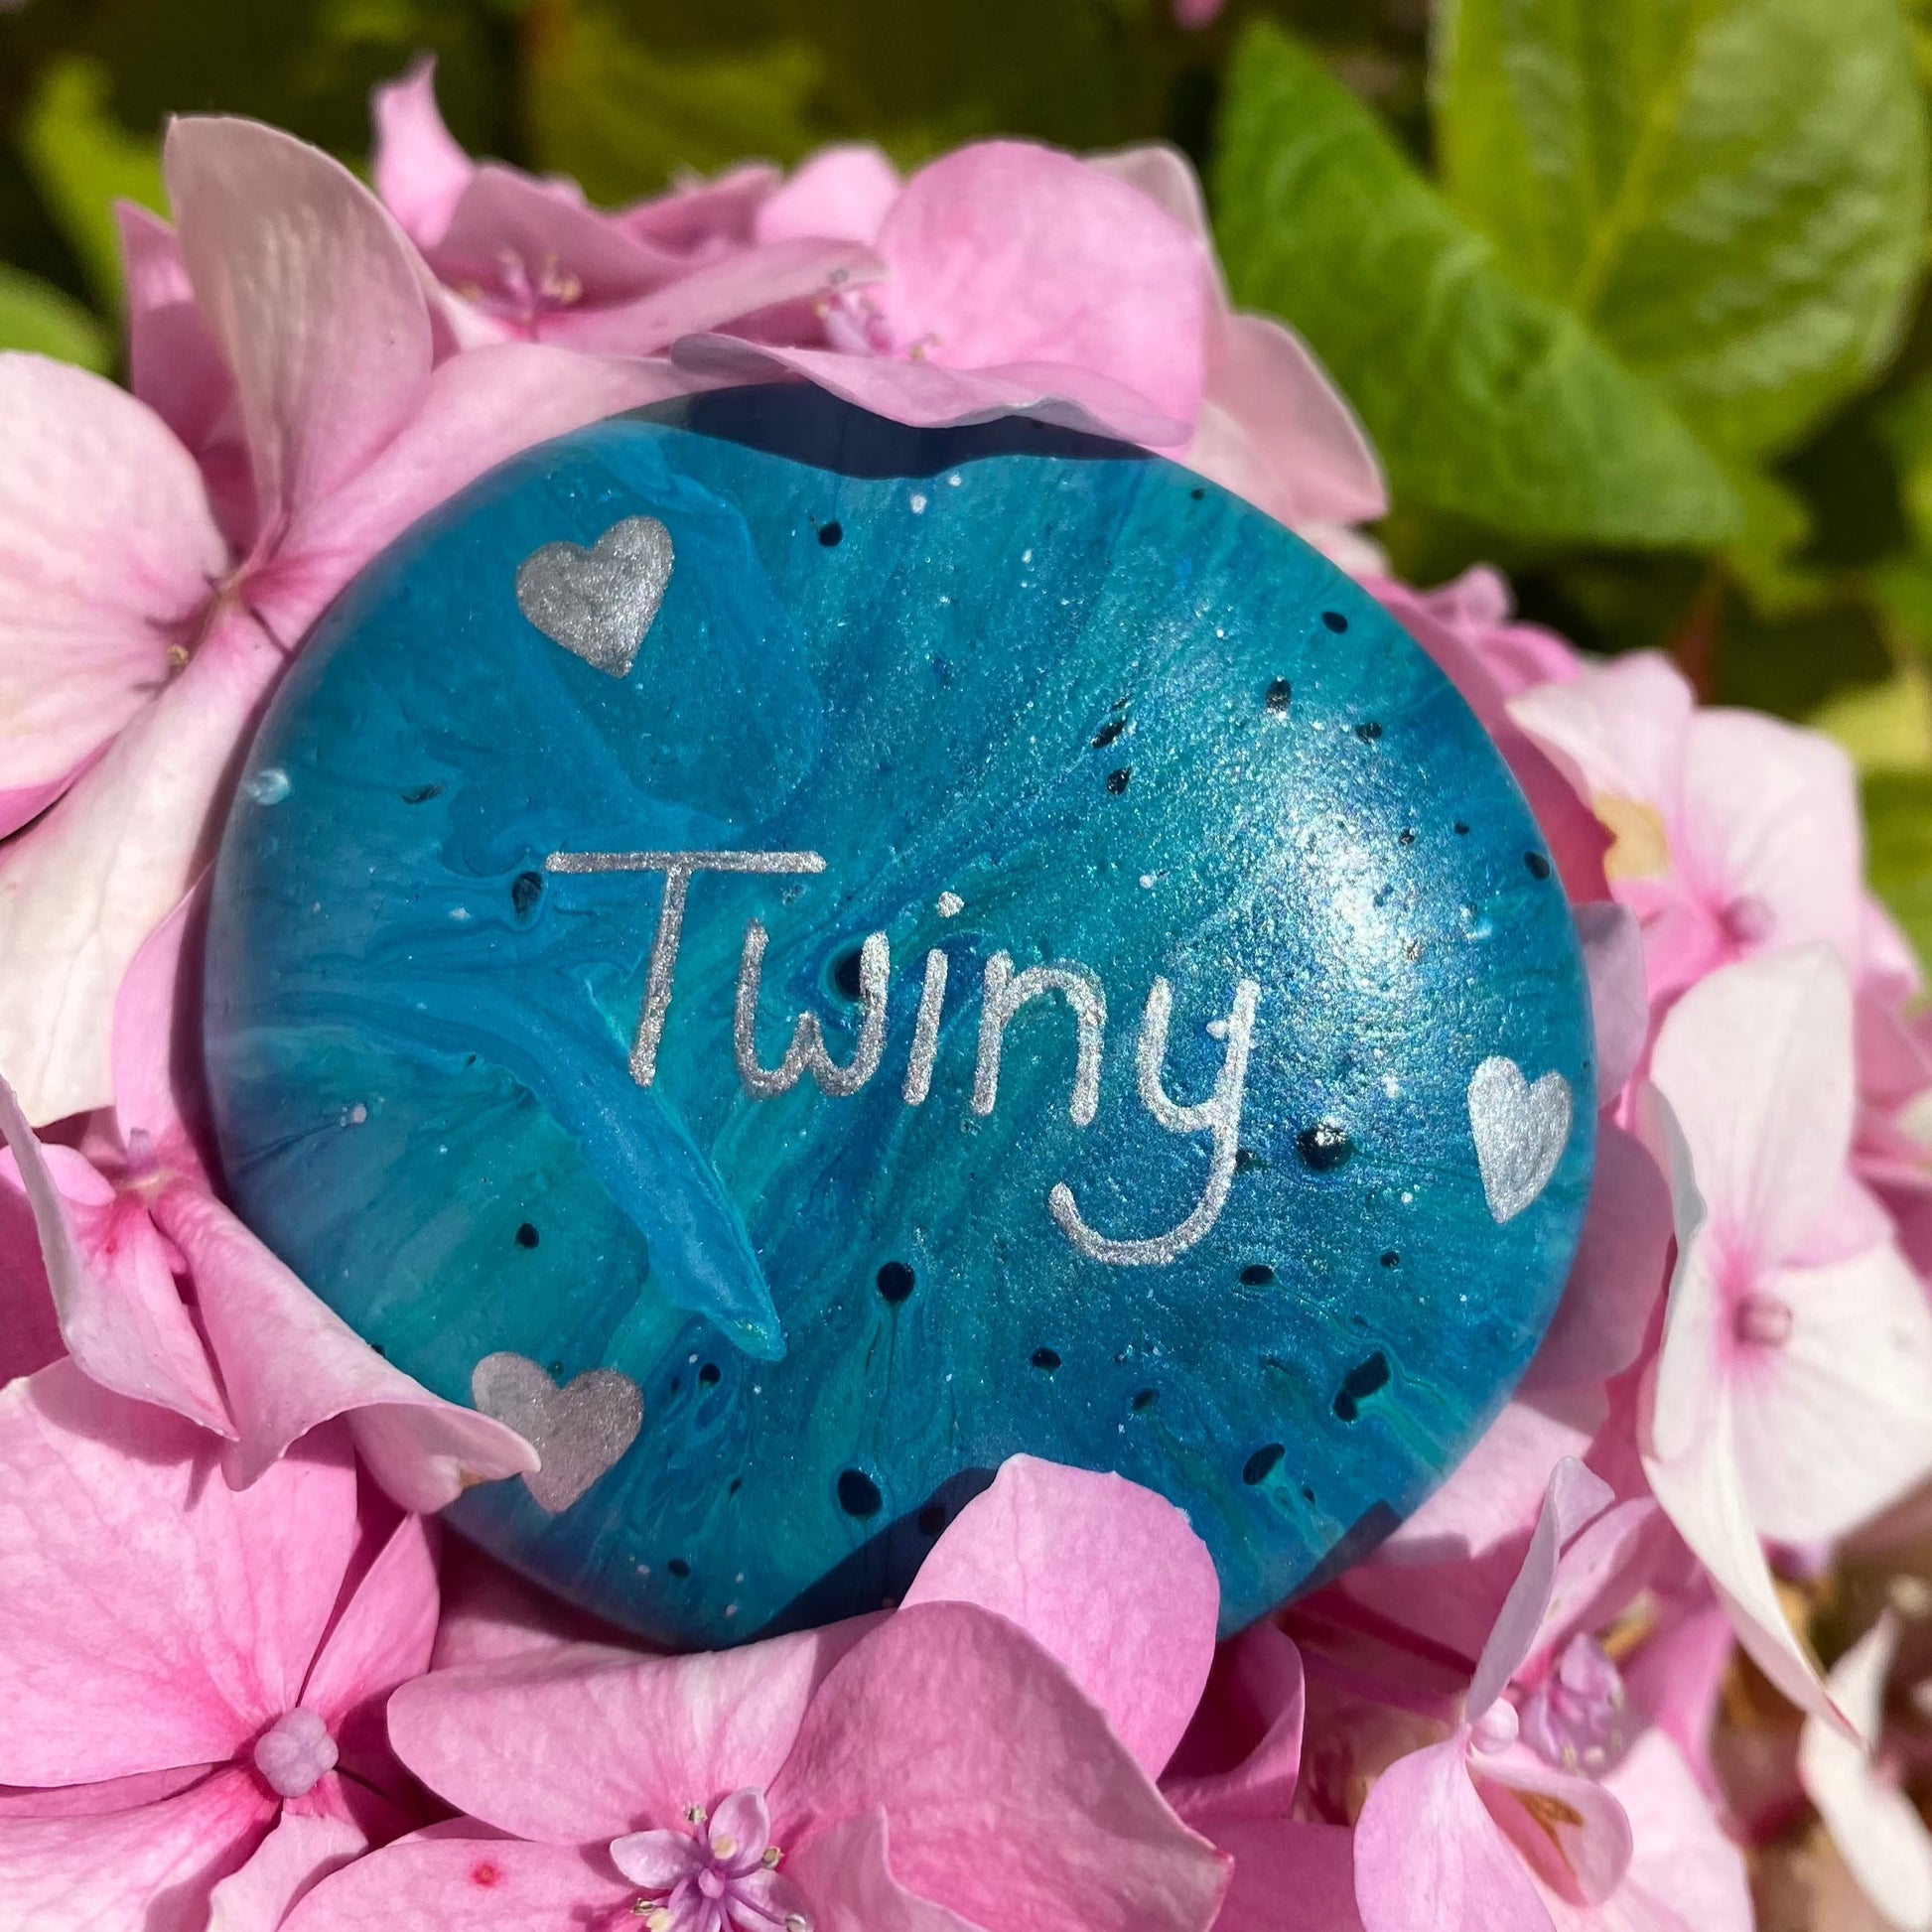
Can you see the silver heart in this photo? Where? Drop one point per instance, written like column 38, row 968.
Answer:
column 1520, row 1132
column 577, row 1432
column 601, row 601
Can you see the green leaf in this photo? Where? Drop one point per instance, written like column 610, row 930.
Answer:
column 1898, row 849
column 83, row 161
column 34, row 315
column 1732, row 193
column 1485, row 399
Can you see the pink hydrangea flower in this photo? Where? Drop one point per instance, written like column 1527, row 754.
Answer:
column 1733, row 834
column 1452, row 1833
column 193, row 1678
column 1792, row 1397
column 957, row 1762
column 520, row 258
column 161, row 553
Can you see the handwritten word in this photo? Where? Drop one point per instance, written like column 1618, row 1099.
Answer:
column 1004, row 993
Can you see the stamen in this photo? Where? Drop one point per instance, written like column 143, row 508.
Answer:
column 771, row 1856
column 695, row 1815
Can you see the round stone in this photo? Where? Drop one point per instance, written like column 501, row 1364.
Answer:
column 788, row 1019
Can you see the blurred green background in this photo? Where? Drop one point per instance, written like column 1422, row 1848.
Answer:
column 1630, row 293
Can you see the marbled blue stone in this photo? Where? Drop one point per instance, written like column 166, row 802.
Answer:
column 1127, row 721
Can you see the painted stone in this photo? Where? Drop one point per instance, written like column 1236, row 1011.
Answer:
column 794, row 958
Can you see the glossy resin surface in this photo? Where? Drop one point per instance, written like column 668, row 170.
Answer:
column 1214, row 1103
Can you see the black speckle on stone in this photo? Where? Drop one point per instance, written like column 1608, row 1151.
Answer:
column 1045, row 1359
column 678, row 1566
column 1258, row 1274
column 526, row 893
column 736, row 1483
column 1390, row 1259
column 845, row 973
column 1117, row 780
column 1336, row 621
column 526, row 1234
column 1280, row 695
column 1307, row 1494
column 1460, row 830
column 1197, row 492
column 1144, row 1399
column 1262, row 1464
column 380, row 1350
column 1407, row 836
column 422, row 794
column 830, row 534
column 896, row 1281
column 708, row 1374
column 1539, row 865
column 1108, row 732
column 1361, row 1382
column 1368, row 731
column 1324, row 1147
column 676, row 1380
column 1246, row 1160
column 932, row 1518
column 859, row 1494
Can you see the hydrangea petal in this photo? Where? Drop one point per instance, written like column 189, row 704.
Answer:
column 579, row 1741
column 1004, row 254
column 1257, row 1695
column 482, row 1884
column 1757, row 1063
column 1011, row 1800
column 1104, row 1575
column 152, row 1869
column 107, row 551
column 1273, row 428
column 107, row 1273
column 839, row 194
column 1622, row 1264
column 1428, row 1858
column 846, row 1873
column 1290, row 1878
column 1570, row 1831
column 1835, row 1423
column 419, row 170
column 81, row 890
column 289, row 1364
column 1574, row 1499
column 312, row 292
column 712, row 295
column 303, row 1850
column 149, row 1615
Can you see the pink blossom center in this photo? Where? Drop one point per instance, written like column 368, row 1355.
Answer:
column 1747, row 921
column 720, row 1875
column 1575, row 1718
column 1763, row 1320
column 296, row 1752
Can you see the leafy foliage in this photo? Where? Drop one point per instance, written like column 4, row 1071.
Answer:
column 1485, row 397
column 1732, row 193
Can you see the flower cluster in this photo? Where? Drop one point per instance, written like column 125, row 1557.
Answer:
column 242, row 1685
